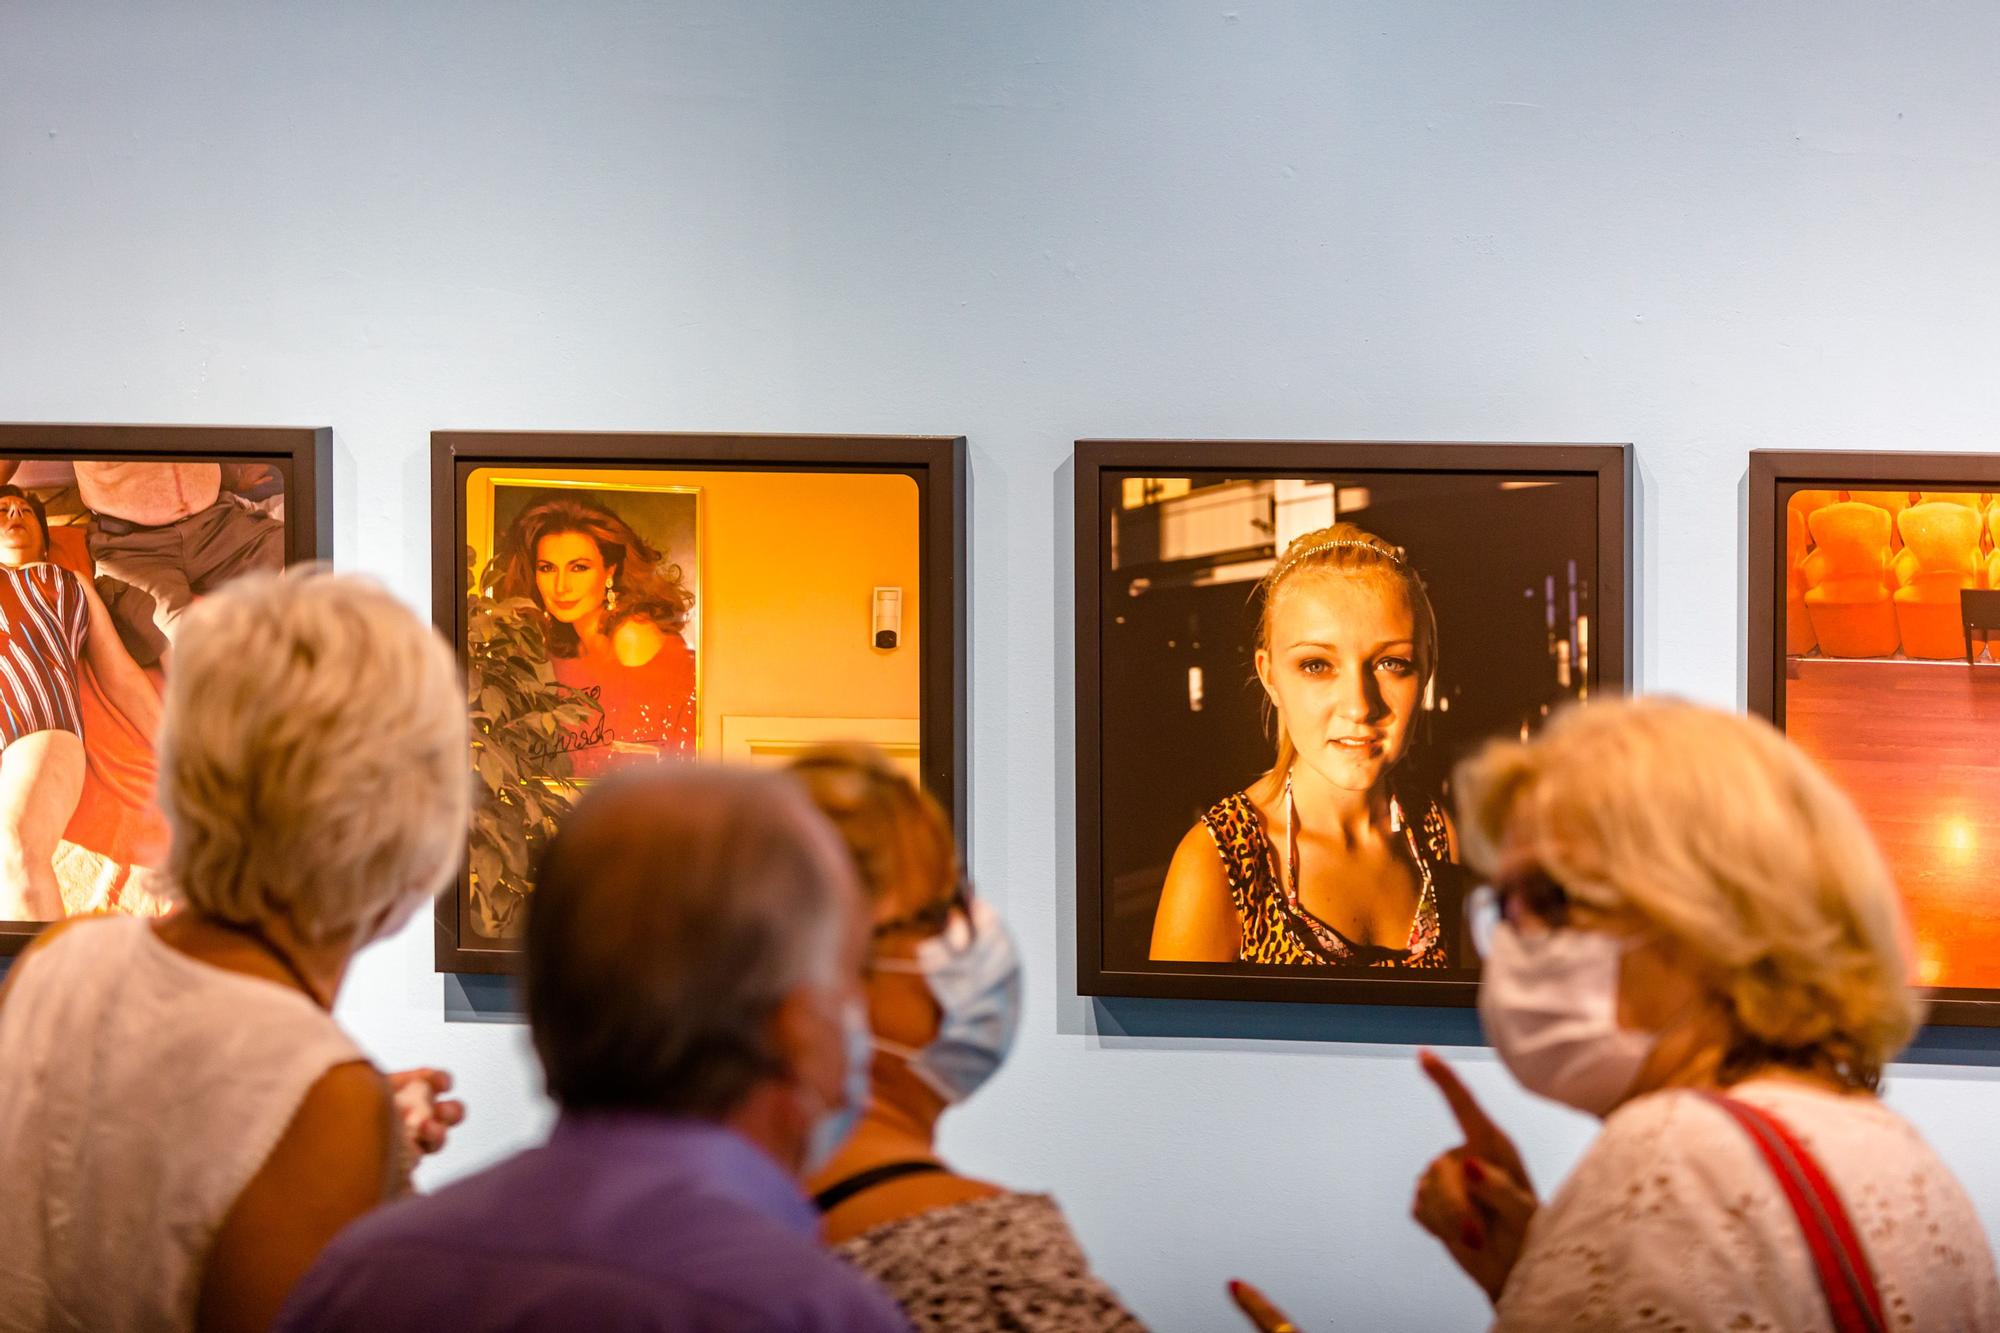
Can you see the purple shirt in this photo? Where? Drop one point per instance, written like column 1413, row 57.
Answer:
column 619, row 1222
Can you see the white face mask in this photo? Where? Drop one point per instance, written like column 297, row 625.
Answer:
column 974, row 974
column 833, row 1127
column 1550, row 1006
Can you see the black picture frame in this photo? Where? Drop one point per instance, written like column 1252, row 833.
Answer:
column 1774, row 476
column 303, row 454
column 937, row 464
column 1607, row 466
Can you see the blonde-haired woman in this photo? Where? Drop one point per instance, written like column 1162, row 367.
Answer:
column 1689, row 933
column 1322, row 860
column 184, row 1126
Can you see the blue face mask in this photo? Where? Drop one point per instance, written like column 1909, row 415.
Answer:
column 974, row 974
column 832, row 1129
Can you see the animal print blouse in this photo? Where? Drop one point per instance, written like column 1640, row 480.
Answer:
column 1008, row 1264
column 1278, row 929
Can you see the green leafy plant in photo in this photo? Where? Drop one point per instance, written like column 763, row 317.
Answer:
column 525, row 783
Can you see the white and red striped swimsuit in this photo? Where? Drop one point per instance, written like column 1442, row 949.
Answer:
column 42, row 622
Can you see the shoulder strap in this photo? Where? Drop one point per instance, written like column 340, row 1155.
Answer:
column 1238, row 832
column 840, row 1191
column 1838, row 1259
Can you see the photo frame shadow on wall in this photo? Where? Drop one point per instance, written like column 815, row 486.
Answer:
column 1416, row 600
column 622, row 599
column 148, row 519
column 1874, row 595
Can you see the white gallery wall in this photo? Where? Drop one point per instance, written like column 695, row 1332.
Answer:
column 1703, row 228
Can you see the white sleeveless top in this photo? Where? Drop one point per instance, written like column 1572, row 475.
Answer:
column 140, row 1091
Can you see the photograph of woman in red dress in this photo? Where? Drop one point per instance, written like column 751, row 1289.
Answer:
column 619, row 615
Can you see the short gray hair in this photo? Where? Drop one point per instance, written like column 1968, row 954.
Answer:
column 675, row 910
column 312, row 755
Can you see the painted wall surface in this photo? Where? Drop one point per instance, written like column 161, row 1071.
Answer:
column 789, row 565
column 1702, row 227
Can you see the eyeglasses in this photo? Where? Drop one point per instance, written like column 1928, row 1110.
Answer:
column 1530, row 901
column 932, row 918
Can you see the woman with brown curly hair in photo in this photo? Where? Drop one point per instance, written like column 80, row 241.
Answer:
column 615, row 609
column 1323, row 860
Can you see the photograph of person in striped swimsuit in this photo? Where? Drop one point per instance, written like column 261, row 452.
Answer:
column 52, row 625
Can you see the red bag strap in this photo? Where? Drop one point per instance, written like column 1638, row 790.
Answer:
column 1842, row 1265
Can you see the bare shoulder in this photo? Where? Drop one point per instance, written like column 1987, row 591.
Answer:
column 638, row 641
column 898, row 1200
column 1196, row 918
column 337, row 1145
column 965, row 1189
column 329, row 1167
column 1197, row 861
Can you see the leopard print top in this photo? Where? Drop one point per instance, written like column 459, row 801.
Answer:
column 1008, row 1264
column 1278, row 929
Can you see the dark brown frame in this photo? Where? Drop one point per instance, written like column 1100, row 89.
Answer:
column 935, row 462
column 1608, row 464
column 1771, row 469
column 305, row 454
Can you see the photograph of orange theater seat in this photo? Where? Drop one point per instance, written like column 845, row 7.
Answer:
column 1847, row 581
column 1798, row 622
column 1890, row 699
column 1804, row 504
column 1972, row 500
column 1939, row 559
column 1984, row 649
column 1892, row 503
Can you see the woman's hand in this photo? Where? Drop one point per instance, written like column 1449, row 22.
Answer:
column 1476, row 1198
column 1264, row 1316
column 425, row 1119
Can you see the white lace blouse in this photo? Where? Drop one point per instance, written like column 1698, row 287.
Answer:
column 1673, row 1220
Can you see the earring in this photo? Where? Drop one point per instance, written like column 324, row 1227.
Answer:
column 610, row 593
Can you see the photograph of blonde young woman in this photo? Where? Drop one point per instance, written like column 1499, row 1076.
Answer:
column 1288, row 668
column 98, row 560
column 1346, row 647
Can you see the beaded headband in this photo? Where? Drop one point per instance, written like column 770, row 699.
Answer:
column 1291, row 561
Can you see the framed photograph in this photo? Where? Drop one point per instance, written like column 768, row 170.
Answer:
column 1282, row 651
column 108, row 534
column 632, row 599
column 1874, row 594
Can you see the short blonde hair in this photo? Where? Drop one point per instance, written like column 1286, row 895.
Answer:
column 1724, row 837
column 312, row 755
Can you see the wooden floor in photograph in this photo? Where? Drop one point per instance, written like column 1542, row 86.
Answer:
column 1917, row 745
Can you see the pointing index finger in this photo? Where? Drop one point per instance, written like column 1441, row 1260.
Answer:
column 1483, row 1138
column 1465, row 1109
